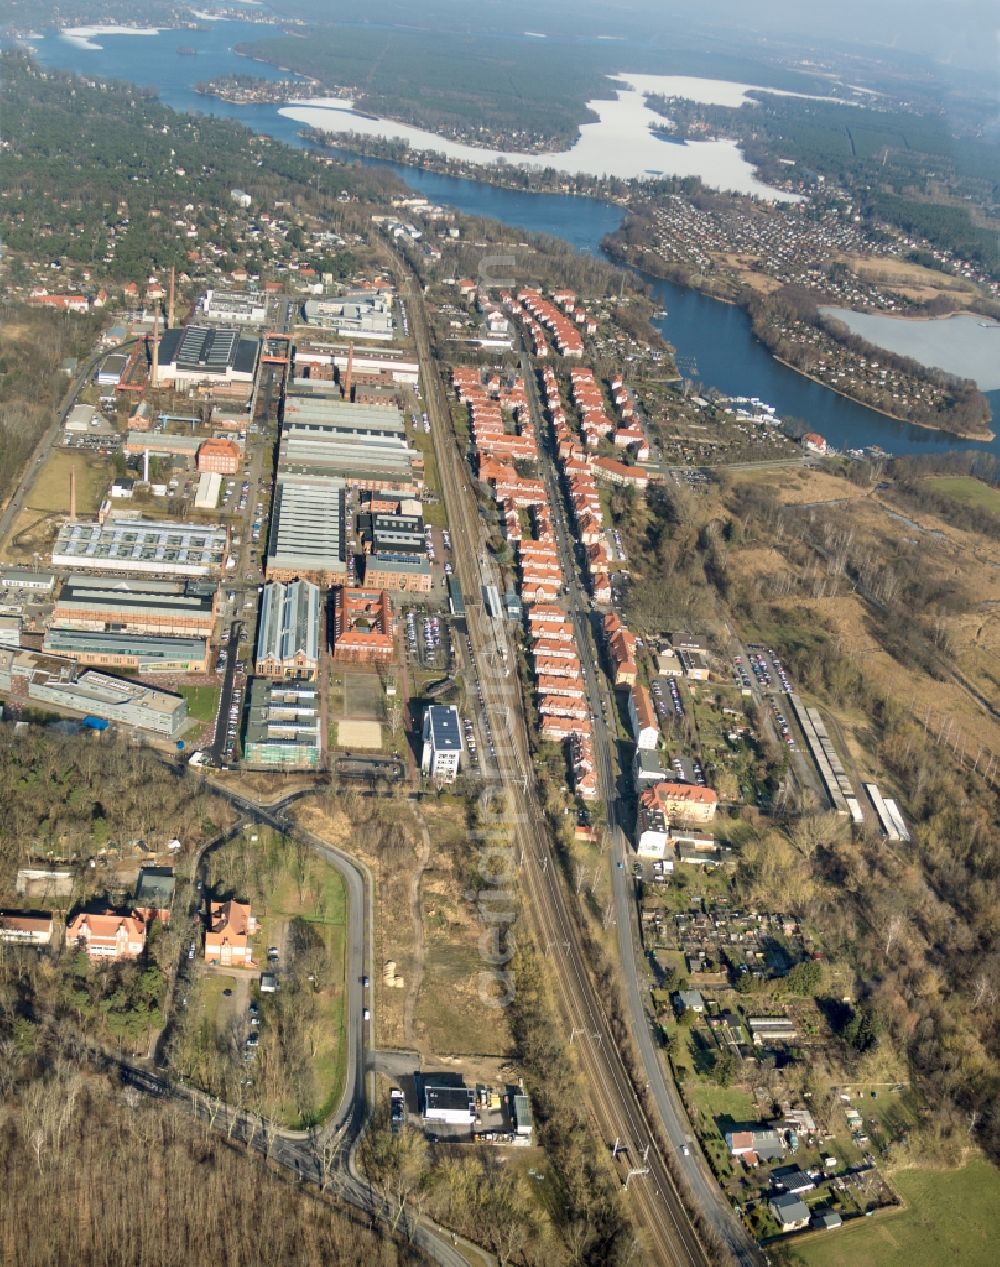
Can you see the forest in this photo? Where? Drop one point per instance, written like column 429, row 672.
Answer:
column 143, row 1182
column 69, row 797
column 143, row 166
column 501, row 86
column 919, row 930
column 33, row 343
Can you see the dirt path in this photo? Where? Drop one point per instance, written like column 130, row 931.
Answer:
column 416, row 971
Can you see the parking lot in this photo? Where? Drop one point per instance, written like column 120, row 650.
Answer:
column 428, row 641
column 667, row 697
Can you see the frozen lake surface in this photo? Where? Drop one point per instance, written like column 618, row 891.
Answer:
column 965, row 345
column 619, row 144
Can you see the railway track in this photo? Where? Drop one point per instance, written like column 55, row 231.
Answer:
column 614, row 1102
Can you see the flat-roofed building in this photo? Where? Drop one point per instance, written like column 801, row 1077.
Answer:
column 26, row 928
column 202, row 356
column 356, row 312
column 393, row 534
column 115, row 604
column 453, row 1106
column 398, row 572
column 238, row 306
column 143, row 653
column 10, row 631
column 442, row 740
column 139, row 545
column 362, row 626
column 307, row 530
column 288, row 634
column 54, row 681
column 369, row 365
column 283, row 725
column 206, row 495
column 27, row 579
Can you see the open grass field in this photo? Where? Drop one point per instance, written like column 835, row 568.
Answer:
column 966, row 489
column 316, row 895
column 202, row 702
column 50, row 490
column 950, row 1218
column 363, row 695
column 34, row 529
column 283, row 883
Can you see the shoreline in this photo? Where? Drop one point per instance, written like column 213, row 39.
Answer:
column 979, row 437
column 441, row 165
column 910, row 422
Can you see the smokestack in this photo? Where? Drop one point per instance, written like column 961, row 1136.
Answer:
column 154, row 378
column 349, row 375
column 170, row 301
column 145, row 466
column 72, row 494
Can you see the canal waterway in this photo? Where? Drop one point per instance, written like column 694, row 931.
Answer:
column 713, row 340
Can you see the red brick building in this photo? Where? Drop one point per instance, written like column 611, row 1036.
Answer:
column 362, row 626
column 221, row 456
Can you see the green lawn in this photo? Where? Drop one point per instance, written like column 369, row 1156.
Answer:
column 283, row 883
column 434, row 512
column 50, row 490
column 719, row 1101
column 950, row 1218
column 966, row 489
column 202, row 702
column 324, row 905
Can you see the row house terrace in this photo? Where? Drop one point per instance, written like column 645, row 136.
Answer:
column 526, row 516
column 564, row 332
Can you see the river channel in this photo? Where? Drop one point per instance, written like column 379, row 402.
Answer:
column 713, row 340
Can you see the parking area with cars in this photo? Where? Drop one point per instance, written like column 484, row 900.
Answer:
column 667, row 697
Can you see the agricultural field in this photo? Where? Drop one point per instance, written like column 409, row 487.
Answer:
column 949, row 1216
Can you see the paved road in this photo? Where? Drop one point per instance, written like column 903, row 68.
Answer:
column 218, row 749
column 672, row 1115
column 49, row 438
column 612, row 1099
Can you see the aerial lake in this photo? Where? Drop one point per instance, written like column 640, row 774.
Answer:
column 714, row 342
column 963, row 344
column 621, row 142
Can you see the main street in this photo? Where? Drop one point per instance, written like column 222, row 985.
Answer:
column 614, row 1101
column 672, row 1115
